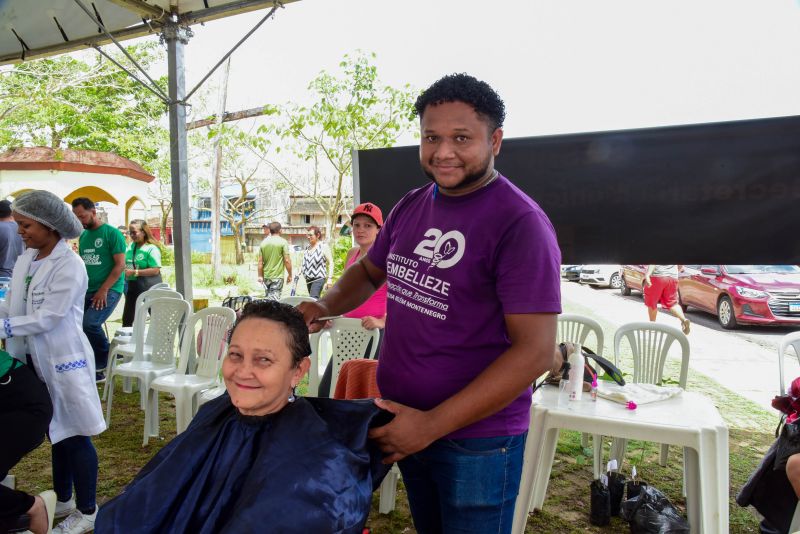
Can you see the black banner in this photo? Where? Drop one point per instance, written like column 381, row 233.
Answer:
column 721, row 193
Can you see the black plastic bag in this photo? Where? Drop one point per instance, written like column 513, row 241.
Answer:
column 633, row 488
column 616, row 488
column 651, row 513
column 600, row 514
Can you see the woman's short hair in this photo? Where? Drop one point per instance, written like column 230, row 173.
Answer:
column 148, row 235
column 316, row 230
column 289, row 317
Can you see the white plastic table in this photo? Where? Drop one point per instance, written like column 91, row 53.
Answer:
column 689, row 420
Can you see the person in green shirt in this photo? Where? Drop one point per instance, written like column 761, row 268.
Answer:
column 102, row 248
column 142, row 266
column 273, row 257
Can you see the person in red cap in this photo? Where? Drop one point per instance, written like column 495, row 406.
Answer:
column 366, row 221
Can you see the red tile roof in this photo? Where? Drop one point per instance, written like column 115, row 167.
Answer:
column 44, row 158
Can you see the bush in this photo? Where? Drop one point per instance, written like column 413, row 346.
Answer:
column 201, row 257
column 343, row 244
column 167, row 254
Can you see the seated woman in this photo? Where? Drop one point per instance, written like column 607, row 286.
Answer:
column 774, row 487
column 260, row 459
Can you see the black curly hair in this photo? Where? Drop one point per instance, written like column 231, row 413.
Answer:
column 288, row 316
column 462, row 87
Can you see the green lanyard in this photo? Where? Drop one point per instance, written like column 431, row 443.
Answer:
column 7, row 363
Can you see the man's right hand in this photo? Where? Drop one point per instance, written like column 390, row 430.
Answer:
column 646, row 282
column 311, row 312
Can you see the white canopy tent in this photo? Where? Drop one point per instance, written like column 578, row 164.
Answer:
column 31, row 29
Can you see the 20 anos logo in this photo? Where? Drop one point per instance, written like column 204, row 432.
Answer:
column 443, row 250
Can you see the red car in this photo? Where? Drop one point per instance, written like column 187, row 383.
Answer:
column 743, row 294
column 632, row 276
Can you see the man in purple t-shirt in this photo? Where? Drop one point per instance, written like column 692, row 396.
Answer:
column 472, row 269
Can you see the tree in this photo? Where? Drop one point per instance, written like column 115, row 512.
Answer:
column 69, row 102
column 241, row 181
column 352, row 110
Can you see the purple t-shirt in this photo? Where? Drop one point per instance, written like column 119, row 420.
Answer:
column 454, row 266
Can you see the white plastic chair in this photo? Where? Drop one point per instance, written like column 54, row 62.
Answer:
column 210, row 394
column 349, row 341
column 160, row 285
column 789, row 340
column 294, row 300
column 650, row 344
column 123, row 346
column 214, row 323
column 576, row 329
column 124, row 333
column 314, row 340
column 167, row 322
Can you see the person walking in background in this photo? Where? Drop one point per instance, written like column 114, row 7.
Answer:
column 472, row 268
column 124, row 231
column 142, row 266
column 660, row 285
column 11, row 245
column 102, row 248
column 317, row 265
column 273, row 257
column 41, row 321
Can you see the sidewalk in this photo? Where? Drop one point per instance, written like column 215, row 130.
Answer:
column 740, row 363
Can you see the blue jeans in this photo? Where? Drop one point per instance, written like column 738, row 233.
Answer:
column 75, row 463
column 464, row 485
column 93, row 327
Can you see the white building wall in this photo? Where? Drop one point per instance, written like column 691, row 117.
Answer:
column 63, row 183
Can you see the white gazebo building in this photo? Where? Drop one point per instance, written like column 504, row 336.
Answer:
column 117, row 184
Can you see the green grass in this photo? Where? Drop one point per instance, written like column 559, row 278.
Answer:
column 566, row 509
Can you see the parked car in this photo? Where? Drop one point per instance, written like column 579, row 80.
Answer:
column 743, row 294
column 571, row 273
column 632, row 277
column 601, row 276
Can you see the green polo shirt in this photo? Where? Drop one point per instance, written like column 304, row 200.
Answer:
column 273, row 249
column 97, row 248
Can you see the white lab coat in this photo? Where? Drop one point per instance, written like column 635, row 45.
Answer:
column 52, row 325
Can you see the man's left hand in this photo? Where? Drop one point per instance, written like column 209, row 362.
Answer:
column 99, row 299
column 407, row 433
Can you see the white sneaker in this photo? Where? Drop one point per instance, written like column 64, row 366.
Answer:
column 76, row 523
column 63, row 509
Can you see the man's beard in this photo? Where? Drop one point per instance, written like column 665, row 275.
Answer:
column 469, row 179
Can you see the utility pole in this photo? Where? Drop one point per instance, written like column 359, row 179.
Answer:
column 216, row 207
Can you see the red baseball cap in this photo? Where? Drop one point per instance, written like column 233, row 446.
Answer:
column 370, row 210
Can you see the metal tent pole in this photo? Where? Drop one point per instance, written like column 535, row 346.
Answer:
column 176, row 38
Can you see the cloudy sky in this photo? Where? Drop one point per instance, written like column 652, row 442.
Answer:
column 561, row 65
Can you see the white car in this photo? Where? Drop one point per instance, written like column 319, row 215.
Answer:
column 601, row 276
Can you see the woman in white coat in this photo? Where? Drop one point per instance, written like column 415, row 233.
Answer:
column 41, row 320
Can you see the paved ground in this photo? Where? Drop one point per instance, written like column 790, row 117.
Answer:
column 743, row 360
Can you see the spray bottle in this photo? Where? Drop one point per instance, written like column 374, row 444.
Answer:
column 576, row 364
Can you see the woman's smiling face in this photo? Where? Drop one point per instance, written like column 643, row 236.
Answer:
column 259, row 370
column 33, row 233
